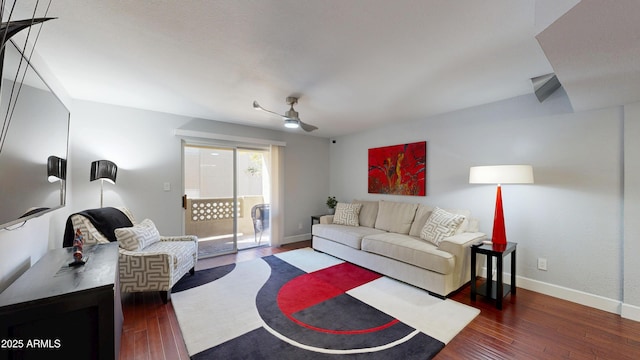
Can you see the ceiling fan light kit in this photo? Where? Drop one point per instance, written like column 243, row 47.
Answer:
column 290, row 117
column 291, row 123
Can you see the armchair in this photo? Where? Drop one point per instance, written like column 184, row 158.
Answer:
column 146, row 261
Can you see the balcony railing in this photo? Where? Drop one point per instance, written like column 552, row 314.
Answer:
column 214, row 209
column 213, row 217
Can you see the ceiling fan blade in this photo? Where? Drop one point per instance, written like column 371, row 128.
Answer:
column 290, row 117
column 258, row 107
column 307, row 127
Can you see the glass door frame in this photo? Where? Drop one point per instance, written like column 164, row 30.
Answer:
column 213, row 145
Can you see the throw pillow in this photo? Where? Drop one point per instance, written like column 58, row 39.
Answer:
column 138, row 236
column 368, row 212
column 464, row 227
column 395, row 217
column 422, row 215
column 441, row 224
column 347, row 214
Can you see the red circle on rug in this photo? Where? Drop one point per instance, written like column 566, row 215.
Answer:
column 311, row 289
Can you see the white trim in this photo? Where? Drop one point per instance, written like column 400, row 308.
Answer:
column 579, row 297
column 296, row 238
column 630, row 312
column 576, row 296
column 214, row 136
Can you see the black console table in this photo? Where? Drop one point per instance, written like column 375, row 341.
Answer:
column 57, row 311
column 494, row 289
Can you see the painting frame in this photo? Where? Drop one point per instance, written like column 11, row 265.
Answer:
column 398, row 169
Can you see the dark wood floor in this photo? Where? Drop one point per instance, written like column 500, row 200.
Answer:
column 531, row 326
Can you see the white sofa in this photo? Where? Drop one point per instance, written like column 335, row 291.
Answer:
column 390, row 238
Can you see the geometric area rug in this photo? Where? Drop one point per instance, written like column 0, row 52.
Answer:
column 303, row 304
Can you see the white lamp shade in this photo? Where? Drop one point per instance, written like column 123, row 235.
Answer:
column 501, row 174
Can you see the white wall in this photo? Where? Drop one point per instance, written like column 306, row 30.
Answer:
column 148, row 154
column 306, row 172
column 631, row 307
column 572, row 215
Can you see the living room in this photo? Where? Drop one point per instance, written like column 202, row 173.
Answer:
column 578, row 215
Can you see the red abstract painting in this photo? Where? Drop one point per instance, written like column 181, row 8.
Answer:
column 398, row 169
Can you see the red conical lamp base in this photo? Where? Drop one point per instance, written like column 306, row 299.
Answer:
column 499, row 235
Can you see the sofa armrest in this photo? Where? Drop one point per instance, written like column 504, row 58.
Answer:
column 326, row 219
column 465, row 239
column 460, row 246
column 180, row 238
column 133, row 269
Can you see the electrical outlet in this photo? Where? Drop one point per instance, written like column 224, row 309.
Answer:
column 167, row 186
column 299, row 226
column 542, row 264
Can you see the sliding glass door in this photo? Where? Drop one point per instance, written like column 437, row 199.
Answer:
column 226, row 198
column 254, row 192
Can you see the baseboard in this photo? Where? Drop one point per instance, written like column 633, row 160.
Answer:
column 576, row 296
column 630, row 312
column 295, row 238
column 579, row 297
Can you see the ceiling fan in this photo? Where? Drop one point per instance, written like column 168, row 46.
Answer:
column 291, row 119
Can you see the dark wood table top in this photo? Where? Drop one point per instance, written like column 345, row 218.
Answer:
column 51, row 276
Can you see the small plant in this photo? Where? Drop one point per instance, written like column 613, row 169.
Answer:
column 332, row 202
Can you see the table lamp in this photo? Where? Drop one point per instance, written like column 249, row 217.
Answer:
column 500, row 174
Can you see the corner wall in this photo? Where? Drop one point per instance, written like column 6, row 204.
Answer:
column 631, row 303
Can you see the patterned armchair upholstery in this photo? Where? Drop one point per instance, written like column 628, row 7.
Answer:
column 155, row 267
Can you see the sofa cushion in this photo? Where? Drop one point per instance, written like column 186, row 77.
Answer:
column 138, row 236
column 343, row 234
column 368, row 212
column 422, row 214
column 395, row 217
column 182, row 252
column 441, row 224
column 410, row 250
column 347, row 214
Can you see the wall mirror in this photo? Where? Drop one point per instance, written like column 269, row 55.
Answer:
column 35, row 128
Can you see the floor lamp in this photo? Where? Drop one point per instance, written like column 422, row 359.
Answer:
column 103, row 170
column 500, row 174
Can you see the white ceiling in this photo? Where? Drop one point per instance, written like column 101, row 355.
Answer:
column 355, row 64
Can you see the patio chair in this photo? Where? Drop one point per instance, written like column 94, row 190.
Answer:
column 260, row 217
